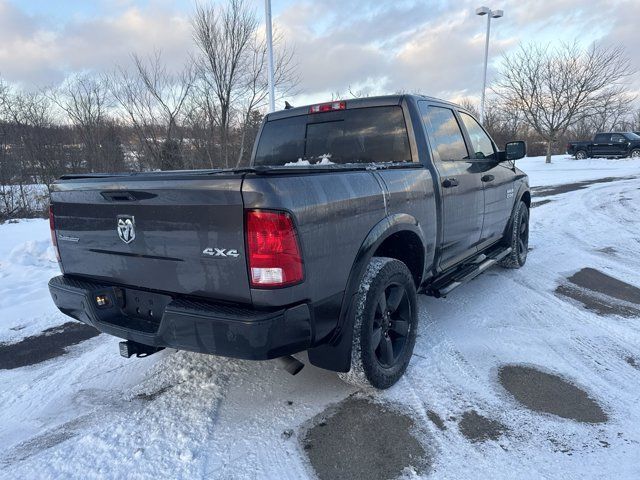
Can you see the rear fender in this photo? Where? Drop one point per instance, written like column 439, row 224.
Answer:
column 336, row 353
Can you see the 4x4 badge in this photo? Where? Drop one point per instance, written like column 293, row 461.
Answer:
column 220, row 252
column 126, row 228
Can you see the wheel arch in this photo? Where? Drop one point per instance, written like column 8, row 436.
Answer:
column 384, row 239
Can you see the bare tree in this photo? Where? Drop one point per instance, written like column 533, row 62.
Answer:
column 503, row 122
column 554, row 88
column 85, row 100
column 4, row 95
column 255, row 81
column 469, row 105
column 223, row 36
column 614, row 110
column 634, row 121
column 153, row 100
column 231, row 63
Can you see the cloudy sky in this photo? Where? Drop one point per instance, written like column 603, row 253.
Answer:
column 431, row 46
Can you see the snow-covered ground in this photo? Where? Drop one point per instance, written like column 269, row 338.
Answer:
column 92, row 414
column 564, row 169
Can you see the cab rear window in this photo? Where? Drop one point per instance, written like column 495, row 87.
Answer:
column 363, row 135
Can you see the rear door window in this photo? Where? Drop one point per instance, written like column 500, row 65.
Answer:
column 362, row 135
column 444, row 132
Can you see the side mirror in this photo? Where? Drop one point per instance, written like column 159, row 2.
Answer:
column 515, row 150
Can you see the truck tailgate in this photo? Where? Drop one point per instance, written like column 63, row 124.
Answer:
column 183, row 236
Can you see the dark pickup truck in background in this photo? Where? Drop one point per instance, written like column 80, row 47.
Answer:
column 348, row 209
column 616, row 144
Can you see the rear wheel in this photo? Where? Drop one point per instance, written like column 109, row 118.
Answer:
column 518, row 239
column 384, row 325
column 581, row 155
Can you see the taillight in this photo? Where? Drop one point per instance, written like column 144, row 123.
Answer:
column 273, row 250
column 327, row 107
column 52, row 228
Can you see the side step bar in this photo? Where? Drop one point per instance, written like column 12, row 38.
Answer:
column 442, row 287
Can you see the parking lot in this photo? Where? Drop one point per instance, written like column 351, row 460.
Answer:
column 544, row 359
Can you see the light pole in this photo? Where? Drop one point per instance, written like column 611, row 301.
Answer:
column 267, row 19
column 490, row 14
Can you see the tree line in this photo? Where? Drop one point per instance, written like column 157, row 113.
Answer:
column 144, row 116
column 549, row 95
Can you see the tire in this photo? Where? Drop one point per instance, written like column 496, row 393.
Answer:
column 581, row 155
column 635, row 153
column 518, row 239
column 384, row 325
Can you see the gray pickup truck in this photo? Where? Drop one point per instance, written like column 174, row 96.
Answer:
column 348, row 210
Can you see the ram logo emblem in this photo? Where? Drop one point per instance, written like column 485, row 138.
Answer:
column 126, row 228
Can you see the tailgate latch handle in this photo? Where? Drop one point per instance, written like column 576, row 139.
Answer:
column 119, row 196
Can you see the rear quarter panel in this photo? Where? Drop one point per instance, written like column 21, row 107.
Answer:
column 333, row 212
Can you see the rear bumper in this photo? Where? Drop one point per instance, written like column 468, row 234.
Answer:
column 194, row 325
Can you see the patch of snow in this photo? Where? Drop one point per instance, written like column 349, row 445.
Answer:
column 300, row 162
column 33, row 253
column 27, row 262
column 566, row 169
column 324, row 159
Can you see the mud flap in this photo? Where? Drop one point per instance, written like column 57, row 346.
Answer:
column 336, row 354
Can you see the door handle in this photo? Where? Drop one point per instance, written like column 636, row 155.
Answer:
column 450, row 182
column 488, row 178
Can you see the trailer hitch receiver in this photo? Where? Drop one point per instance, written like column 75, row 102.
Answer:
column 130, row 348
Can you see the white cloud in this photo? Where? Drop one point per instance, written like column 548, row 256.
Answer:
column 434, row 47
column 33, row 52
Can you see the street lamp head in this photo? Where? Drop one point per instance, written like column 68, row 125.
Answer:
column 497, row 13
column 483, row 11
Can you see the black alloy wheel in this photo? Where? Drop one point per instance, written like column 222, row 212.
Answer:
column 385, row 324
column 391, row 325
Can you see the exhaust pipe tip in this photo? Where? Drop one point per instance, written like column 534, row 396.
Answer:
column 290, row 364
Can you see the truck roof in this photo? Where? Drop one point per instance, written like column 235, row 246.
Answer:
column 362, row 102
column 615, row 132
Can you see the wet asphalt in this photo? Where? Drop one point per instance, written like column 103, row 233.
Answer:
column 51, row 343
column 601, row 293
column 548, row 393
column 547, row 191
column 477, row 428
column 361, row 440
